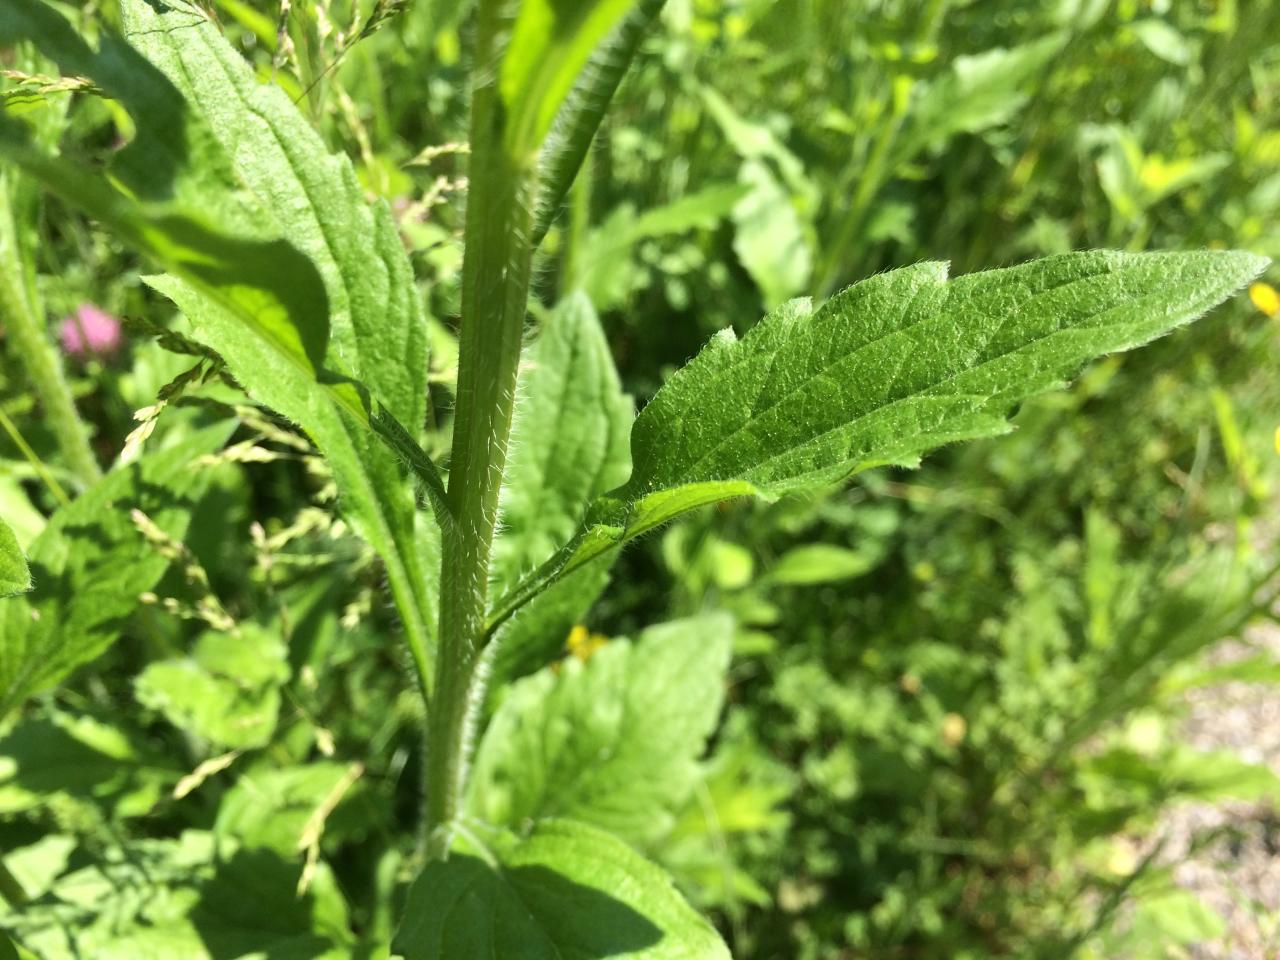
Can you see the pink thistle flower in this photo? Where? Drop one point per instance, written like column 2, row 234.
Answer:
column 90, row 331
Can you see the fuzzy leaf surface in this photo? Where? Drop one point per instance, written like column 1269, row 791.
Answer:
column 377, row 330
column 569, row 441
column 14, row 576
column 905, row 362
column 885, row 371
column 569, row 445
column 613, row 742
column 565, row 892
column 182, row 204
column 283, row 269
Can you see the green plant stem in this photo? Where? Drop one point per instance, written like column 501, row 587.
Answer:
column 38, row 465
column 869, row 183
column 878, row 168
column 495, row 289
column 20, row 310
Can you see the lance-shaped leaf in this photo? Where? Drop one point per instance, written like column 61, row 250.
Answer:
column 90, row 563
column 584, row 110
column 905, row 362
column 565, row 892
column 551, row 42
column 184, row 206
column 271, row 250
column 569, row 441
column 886, row 370
column 14, row 575
column 613, row 742
column 377, row 327
column 569, row 445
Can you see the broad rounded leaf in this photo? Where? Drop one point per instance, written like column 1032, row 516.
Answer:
column 566, row 892
column 614, row 741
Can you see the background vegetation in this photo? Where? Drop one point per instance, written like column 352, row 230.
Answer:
column 953, row 717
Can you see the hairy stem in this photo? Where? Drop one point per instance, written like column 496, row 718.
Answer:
column 22, row 315
column 495, row 289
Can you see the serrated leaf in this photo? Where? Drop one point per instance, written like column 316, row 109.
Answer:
column 184, row 206
column 885, row 371
column 613, row 742
column 904, row 362
column 377, row 327
column 569, row 441
column 90, row 563
column 281, row 266
column 551, row 41
column 569, row 445
column 15, row 577
column 565, row 892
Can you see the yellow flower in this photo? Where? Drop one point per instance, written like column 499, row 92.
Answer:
column 1265, row 298
column 582, row 643
column 954, row 729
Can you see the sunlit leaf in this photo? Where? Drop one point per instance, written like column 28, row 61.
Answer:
column 565, row 892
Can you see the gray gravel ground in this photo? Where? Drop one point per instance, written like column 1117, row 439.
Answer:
column 1237, row 876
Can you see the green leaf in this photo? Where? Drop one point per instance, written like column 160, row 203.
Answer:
column 569, row 445
column 39, row 864
column 613, row 742
column 377, row 327
column 1164, row 40
column 227, row 691
column 608, row 272
column 551, row 42
column 14, row 576
column 271, row 807
column 193, row 897
column 569, row 441
column 885, row 371
column 377, row 331
column 1173, row 916
column 536, row 634
column 43, row 757
column 184, row 206
column 585, row 109
column 272, row 252
column 819, row 563
column 977, row 93
column 90, row 563
column 566, row 892
column 770, row 239
column 904, row 362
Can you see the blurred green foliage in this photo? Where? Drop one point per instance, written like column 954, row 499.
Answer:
column 954, row 712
